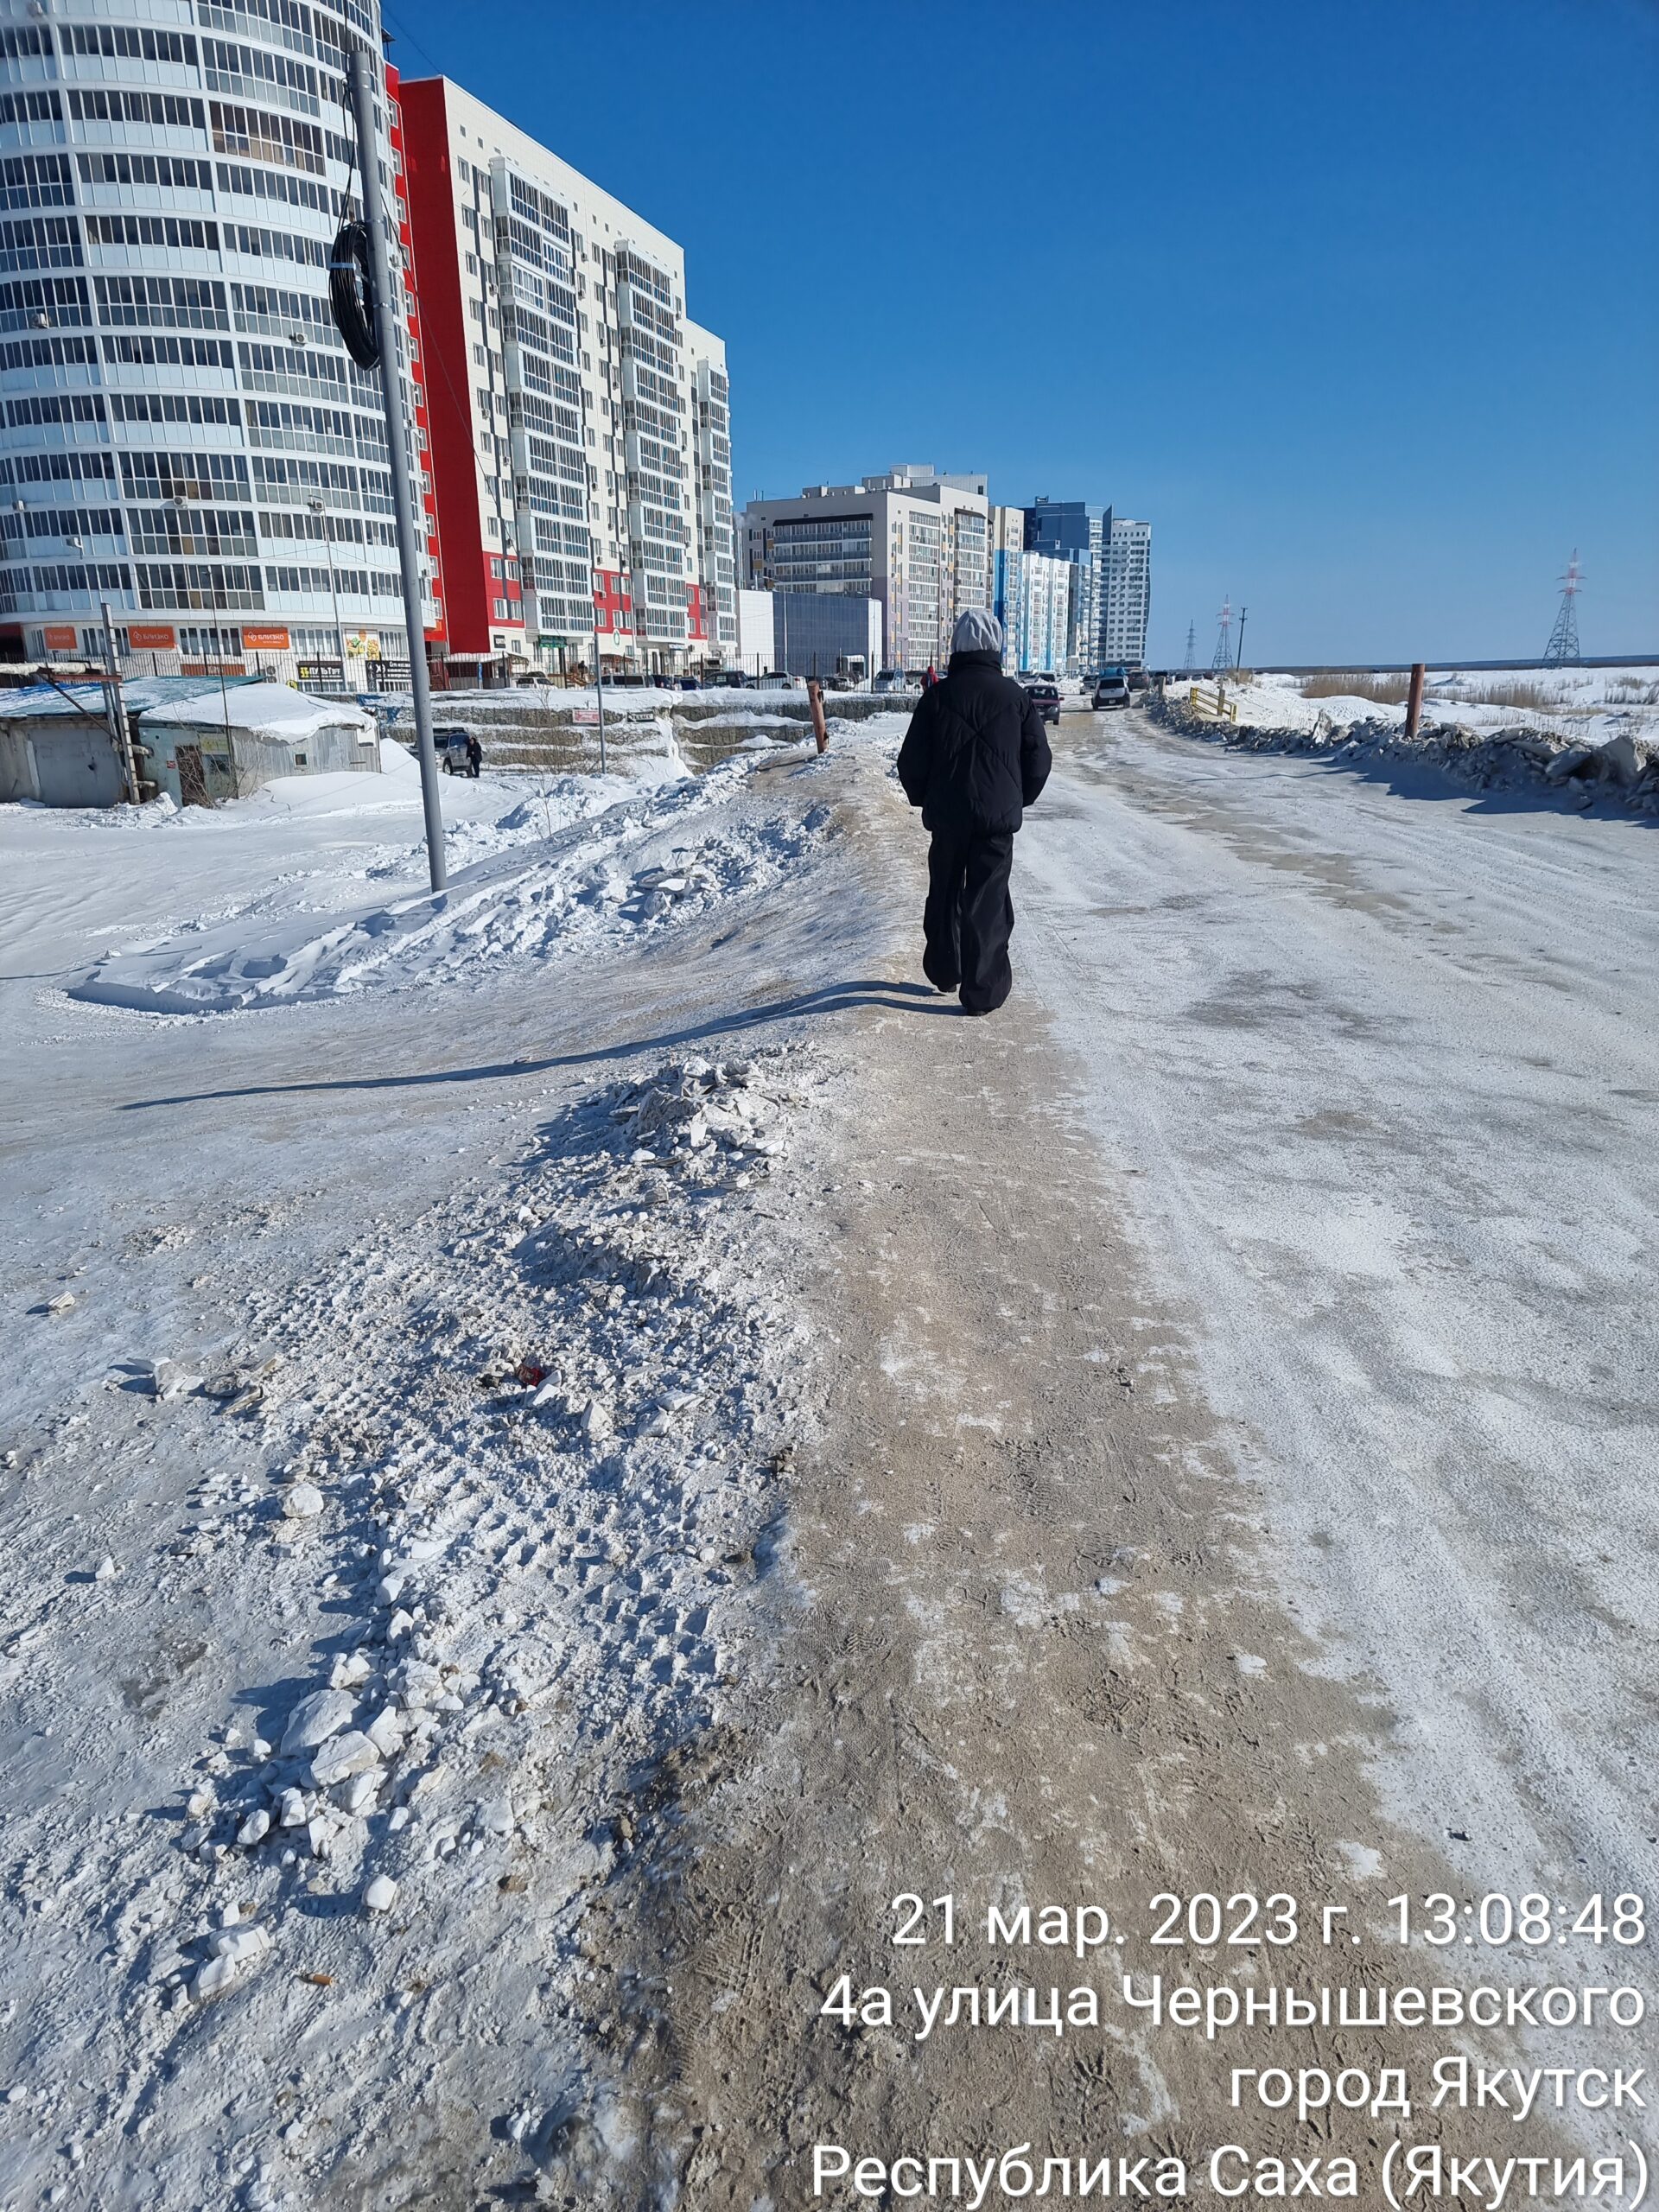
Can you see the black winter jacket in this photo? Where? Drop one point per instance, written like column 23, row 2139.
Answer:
column 974, row 755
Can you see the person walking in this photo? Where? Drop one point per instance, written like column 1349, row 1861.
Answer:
column 973, row 760
column 474, row 756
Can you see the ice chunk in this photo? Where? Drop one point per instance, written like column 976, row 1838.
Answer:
column 381, row 1894
column 342, row 1756
column 358, row 1796
column 385, row 1731
column 316, row 1718
column 168, row 1379
column 302, row 1502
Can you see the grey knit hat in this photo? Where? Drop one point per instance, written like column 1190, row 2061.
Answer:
column 976, row 631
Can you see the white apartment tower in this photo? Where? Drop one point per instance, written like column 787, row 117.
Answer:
column 1126, row 603
column 581, row 438
column 182, row 433
column 715, row 551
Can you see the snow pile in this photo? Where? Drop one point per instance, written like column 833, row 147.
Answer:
column 597, row 879
column 1621, row 763
column 543, row 1542
column 518, row 1462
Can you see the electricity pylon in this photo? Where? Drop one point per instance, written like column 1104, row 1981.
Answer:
column 1563, row 646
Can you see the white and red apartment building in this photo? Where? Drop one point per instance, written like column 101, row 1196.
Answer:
column 579, row 422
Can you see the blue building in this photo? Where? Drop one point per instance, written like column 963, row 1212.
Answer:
column 1074, row 532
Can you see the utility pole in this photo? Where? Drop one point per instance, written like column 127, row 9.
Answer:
column 118, row 729
column 1243, row 612
column 402, row 491
column 317, row 508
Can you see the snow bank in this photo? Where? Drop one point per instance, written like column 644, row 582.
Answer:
column 1591, row 705
column 554, row 876
column 1618, row 761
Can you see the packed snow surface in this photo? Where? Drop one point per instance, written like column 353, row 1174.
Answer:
column 391, row 1482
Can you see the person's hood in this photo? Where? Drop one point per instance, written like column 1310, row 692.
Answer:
column 976, row 631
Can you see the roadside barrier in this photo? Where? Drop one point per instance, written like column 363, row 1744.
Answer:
column 1212, row 701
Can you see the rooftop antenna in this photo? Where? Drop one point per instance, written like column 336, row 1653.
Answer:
column 1563, row 647
column 1224, row 652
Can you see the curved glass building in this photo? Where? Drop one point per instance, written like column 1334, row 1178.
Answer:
column 182, row 433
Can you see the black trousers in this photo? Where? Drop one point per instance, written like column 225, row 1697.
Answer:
column 969, row 918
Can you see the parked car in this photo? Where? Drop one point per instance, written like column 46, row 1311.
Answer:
column 1046, row 699
column 888, row 679
column 451, row 744
column 1112, row 687
column 1138, row 680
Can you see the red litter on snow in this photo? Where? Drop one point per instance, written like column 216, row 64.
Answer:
column 530, row 1372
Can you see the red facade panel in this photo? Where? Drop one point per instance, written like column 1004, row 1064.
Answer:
column 469, row 596
column 436, row 631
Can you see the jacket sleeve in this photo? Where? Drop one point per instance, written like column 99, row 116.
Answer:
column 916, row 753
column 1035, row 758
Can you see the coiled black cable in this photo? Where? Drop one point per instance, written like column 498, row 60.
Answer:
column 351, row 294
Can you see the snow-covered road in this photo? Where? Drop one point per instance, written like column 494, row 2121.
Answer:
column 1381, row 1066
column 491, row 1491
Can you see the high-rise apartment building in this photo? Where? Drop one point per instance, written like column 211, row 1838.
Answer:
column 1040, row 641
column 915, row 539
column 182, row 433
column 1127, row 602
column 580, row 423
column 713, row 612
column 1006, row 538
column 1072, row 531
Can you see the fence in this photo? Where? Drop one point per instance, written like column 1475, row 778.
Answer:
column 1211, row 700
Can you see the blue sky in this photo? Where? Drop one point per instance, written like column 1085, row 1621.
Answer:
column 1357, row 303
